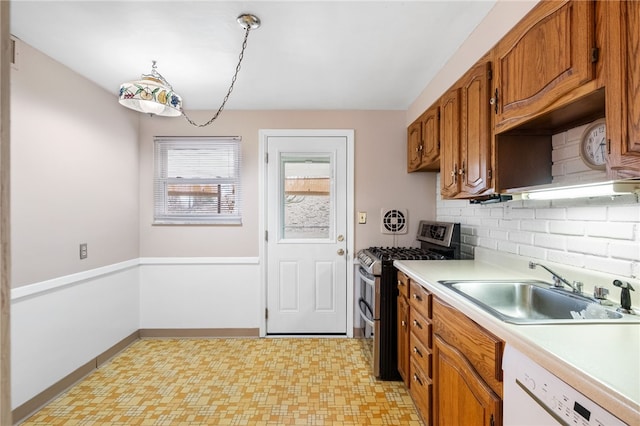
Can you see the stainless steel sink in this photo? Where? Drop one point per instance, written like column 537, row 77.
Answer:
column 535, row 302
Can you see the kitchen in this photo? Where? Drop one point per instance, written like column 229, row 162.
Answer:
column 131, row 252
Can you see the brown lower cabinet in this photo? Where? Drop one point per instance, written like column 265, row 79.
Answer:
column 467, row 370
column 454, row 365
column 462, row 398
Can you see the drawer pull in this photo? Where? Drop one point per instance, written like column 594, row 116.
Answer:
column 417, row 352
column 417, row 297
column 417, row 324
column 417, row 379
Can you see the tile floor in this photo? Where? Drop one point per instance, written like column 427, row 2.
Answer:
column 286, row 381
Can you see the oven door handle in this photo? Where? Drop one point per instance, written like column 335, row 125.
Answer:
column 363, row 315
column 369, row 279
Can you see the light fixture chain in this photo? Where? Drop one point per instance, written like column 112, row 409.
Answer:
column 233, row 81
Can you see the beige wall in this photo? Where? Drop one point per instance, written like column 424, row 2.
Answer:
column 74, row 172
column 381, row 180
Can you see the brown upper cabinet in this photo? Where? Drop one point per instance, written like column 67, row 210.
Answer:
column 423, row 149
column 623, row 87
column 543, row 58
column 565, row 64
column 466, row 135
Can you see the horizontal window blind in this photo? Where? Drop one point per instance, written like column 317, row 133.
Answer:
column 197, row 180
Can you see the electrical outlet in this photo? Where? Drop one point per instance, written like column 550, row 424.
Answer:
column 83, row 251
column 362, row 217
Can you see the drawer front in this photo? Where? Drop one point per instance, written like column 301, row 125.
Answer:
column 421, row 327
column 421, row 391
column 420, row 299
column 403, row 284
column 420, row 354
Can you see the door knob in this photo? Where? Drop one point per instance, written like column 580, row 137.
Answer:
column 340, row 252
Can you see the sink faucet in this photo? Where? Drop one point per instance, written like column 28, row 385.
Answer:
column 558, row 281
column 625, row 296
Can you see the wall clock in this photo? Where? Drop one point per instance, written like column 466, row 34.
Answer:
column 593, row 145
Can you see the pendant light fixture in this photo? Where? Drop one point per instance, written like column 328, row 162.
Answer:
column 152, row 94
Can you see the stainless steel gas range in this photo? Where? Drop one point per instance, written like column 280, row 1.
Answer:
column 378, row 291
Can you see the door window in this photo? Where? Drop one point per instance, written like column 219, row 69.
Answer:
column 306, row 201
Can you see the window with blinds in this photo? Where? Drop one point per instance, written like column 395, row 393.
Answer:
column 197, row 180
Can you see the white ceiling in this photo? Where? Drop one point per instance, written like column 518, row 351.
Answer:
column 306, row 54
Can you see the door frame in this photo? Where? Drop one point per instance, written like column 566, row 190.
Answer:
column 264, row 135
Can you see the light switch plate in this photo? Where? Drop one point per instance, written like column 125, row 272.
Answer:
column 362, row 217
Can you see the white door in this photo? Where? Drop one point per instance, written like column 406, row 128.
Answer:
column 306, row 235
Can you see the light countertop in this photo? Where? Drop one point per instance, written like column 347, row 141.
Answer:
column 602, row 361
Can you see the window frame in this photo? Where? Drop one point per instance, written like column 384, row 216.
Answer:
column 162, row 182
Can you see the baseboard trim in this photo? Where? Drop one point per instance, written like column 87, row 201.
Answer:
column 117, row 348
column 198, row 332
column 34, row 404
column 358, row 332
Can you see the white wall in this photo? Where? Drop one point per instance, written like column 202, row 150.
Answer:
column 59, row 325
column 74, row 172
column 200, row 293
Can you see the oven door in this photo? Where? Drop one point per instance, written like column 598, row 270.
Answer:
column 369, row 307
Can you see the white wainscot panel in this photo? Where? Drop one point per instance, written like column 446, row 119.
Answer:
column 181, row 294
column 58, row 330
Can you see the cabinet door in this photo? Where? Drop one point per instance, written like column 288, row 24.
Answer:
column 542, row 58
column 414, row 146
column 449, row 142
column 623, row 88
column 403, row 339
column 423, row 142
column 475, row 138
column 461, row 397
column 431, row 138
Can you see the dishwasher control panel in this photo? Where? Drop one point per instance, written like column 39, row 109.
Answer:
column 562, row 402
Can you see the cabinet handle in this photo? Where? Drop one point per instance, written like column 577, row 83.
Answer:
column 400, row 283
column 494, row 101
column 417, row 379
column 462, row 170
column 454, row 173
column 417, row 324
column 417, row 352
column 404, row 324
column 417, row 297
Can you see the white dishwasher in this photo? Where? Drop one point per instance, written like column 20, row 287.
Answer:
column 535, row 397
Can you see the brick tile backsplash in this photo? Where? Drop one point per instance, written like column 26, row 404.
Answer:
column 614, row 230
column 600, row 234
column 587, row 213
column 629, row 251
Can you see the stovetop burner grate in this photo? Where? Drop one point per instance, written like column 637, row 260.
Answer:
column 405, row 253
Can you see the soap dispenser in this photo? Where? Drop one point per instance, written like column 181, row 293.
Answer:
column 625, row 296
